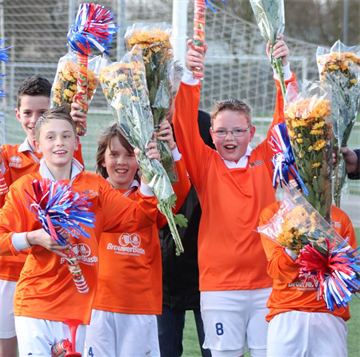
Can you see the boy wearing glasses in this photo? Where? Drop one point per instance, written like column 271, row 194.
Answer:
column 234, row 183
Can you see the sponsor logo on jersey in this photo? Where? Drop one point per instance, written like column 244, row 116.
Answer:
column 129, row 244
column 255, row 163
column 15, row 161
column 90, row 193
column 299, row 285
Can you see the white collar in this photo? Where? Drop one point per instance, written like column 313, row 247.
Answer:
column 135, row 183
column 25, row 146
column 76, row 168
column 241, row 163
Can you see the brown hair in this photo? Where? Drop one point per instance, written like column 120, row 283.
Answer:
column 34, row 86
column 234, row 105
column 58, row 113
column 104, row 141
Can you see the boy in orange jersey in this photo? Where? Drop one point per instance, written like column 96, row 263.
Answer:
column 45, row 294
column 130, row 261
column 15, row 162
column 233, row 183
column 299, row 322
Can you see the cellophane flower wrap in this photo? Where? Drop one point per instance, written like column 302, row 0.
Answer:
column 154, row 43
column 124, row 86
column 323, row 255
column 308, row 119
column 64, row 87
column 339, row 68
column 270, row 17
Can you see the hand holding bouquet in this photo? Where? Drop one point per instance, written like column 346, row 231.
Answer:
column 308, row 120
column 124, row 86
column 323, row 255
column 339, row 68
column 154, row 44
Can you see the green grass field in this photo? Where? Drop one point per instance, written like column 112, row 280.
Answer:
column 192, row 349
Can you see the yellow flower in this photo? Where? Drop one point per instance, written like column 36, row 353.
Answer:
column 317, row 164
column 316, row 132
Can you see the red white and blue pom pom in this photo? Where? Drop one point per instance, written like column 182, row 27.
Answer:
column 94, row 27
column 3, row 58
column 283, row 159
column 335, row 274
column 60, row 209
column 3, row 52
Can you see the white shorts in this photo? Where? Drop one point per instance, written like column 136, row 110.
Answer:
column 114, row 334
column 298, row 333
column 233, row 320
column 7, row 321
column 35, row 336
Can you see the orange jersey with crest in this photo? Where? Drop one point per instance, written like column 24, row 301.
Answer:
column 289, row 293
column 45, row 289
column 18, row 164
column 231, row 256
column 130, row 262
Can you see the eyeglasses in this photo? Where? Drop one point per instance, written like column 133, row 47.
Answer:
column 221, row 133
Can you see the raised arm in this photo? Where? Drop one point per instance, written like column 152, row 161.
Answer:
column 187, row 134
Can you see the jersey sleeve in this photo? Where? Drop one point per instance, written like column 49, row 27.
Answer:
column 190, row 143
column 120, row 213
column 15, row 218
column 181, row 189
column 279, row 117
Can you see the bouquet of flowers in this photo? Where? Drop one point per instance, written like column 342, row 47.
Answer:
column 270, row 17
column 154, row 43
column 3, row 58
column 64, row 87
column 339, row 68
column 124, row 86
column 61, row 211
column 323, row 255
column 308, row 120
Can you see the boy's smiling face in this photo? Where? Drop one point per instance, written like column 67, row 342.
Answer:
column 57, row 142
column 120, row 164
column 30, row 110
column 232, row 148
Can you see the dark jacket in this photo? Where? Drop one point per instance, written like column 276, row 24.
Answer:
column 355, row 175
column 181, row 273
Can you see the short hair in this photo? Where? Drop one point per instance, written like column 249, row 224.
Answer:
column 58, row 113
column 33, row 86
column 234, row 105
column 104, row 141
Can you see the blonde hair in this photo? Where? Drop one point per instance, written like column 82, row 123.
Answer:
column 234, row 105
column 59, row 113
